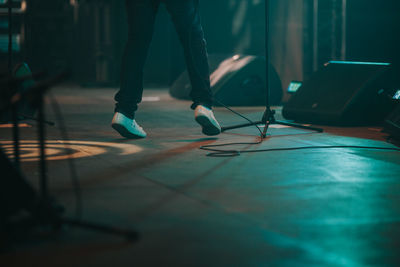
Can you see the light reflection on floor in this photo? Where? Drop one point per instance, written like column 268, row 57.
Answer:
column 61, row 150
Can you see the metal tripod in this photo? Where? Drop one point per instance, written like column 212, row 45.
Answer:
column 268, row 117
column 48, row 212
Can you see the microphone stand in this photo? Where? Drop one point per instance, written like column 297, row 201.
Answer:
column 14, row 108
column 48, row 212
column 268, row 117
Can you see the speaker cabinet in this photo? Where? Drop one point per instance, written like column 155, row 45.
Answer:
column 238, row 80
column 25, row 108
column 343, row 93
column 392, row 123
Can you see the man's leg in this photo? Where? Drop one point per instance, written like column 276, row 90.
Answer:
column 141, row 16
column 186, row 18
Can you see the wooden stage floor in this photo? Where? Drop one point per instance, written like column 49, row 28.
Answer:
column 314, row 207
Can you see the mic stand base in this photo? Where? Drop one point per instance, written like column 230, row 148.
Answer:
column 268, row 119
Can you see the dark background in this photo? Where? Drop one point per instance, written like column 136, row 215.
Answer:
column 88, row 36
column 373, row 30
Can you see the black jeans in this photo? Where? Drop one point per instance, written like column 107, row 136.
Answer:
column 186, row 19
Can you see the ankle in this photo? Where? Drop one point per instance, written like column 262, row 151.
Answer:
column 129, row 115
column 206, row 105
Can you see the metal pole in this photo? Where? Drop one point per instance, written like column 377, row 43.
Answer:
column 14, row 110
column 344, row 30
column 42, row 147
column 315, row 36
column 10, row 47
column 267, row 53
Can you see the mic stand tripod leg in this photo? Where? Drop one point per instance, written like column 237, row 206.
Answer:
column 268, row 116
column 48, row 211
column 300, row 126
column 128, row 234
column 15, row 131
column 26, row 117
column 224, row 129
column 268, row 119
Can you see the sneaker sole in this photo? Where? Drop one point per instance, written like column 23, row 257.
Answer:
column 207, row 127
column 124, row 132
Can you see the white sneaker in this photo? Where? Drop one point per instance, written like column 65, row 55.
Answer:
column 205, row 117
column 127, row 127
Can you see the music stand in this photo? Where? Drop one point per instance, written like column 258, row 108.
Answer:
column 268, row 117
column 14, row 109
column 46, row 211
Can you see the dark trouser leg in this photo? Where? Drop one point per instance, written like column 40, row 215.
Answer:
column 141, row 15
column 186, row 18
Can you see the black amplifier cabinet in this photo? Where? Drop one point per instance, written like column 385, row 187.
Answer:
column 343, row 93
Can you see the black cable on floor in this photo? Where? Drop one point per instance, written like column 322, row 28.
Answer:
column 214, row 152
column 231, row 153
column 240, row 115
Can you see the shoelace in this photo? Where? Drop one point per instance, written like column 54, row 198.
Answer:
column 136, row 125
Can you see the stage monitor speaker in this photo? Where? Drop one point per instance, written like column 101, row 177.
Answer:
column 238, row 80
column 392, row 123
column 25, row 109
column 343, row 93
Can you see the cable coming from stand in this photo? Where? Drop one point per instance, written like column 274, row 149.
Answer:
column 233, row 153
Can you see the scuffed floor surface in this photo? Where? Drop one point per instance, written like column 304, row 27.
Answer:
column 314, row 207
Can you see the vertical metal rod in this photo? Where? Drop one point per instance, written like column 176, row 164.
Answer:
column 334, row 29
column 344, row 30
column 10, row 47
column 268, row 117
column 15, row 106
column 42, row 147
column 15, row 132
column 316, row 36
column 267, row 53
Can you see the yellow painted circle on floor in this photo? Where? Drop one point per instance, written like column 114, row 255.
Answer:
column 61, row 150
